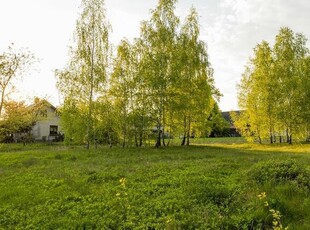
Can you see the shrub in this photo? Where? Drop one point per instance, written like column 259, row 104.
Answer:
column 281, row 172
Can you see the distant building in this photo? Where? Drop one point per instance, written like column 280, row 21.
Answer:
column 47, row 126
column 232, row 132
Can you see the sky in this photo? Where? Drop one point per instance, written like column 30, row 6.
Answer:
column 231, row 29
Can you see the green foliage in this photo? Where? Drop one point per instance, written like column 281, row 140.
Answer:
column 273, row 89
column 136, row 188
column 280, row 172
column 73, row 121
column 195, row 78
column 85, row 74
column 16, row 119
column 274, row 217
column 19, row 118
column 216, row 125
column 162, row 82
column 129, row 97
column 13, row 64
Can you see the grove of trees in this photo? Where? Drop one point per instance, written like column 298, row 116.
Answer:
column 274, row 91
column 158, row 86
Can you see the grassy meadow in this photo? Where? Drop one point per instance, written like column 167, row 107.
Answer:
column 214, row 184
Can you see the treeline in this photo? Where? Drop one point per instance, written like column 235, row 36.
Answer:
column 274, row 92
column 158, row 86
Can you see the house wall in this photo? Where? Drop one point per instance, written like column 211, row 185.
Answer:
column 41, row 130
column 232, row 131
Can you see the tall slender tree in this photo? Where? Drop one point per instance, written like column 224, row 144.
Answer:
column 289, row 52
column 256, row 94
column 123, row 87
column 195, row 83
column 86, row 73
column 305, row 96
column 159, row 36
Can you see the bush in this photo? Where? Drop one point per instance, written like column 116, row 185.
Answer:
column 281, row 171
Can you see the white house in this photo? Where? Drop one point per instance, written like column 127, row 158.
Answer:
column 47, row 126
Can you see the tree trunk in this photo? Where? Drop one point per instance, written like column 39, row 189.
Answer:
column 184, row 135
column 287, row 136
column 124, row 139
column 141, row 139
column 188, row 131
column 169, row 137
column 258, row 135
column 290, row 139
column 136, row 140
column 163, row 137
column 110, row 139
column 169, row 142
column 158, row 142
column 271, row 139
column 184, row 139
column 163, row 128
column 2, row 101
column 271, row 135
column 259, row 139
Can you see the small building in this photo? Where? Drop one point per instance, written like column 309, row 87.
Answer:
column 47, row 126
column 232, row 132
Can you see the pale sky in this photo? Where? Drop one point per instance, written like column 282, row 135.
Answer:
column 231, row 28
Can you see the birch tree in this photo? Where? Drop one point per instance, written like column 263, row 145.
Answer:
column 159, row 36
column 256, row 94
column 123, row 87
column 85, row 75
column 273, row 89
column 195, row 85
column 289, row 53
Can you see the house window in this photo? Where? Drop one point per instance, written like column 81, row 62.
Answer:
column 53, row 130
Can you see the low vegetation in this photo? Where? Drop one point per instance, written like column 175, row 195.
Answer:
column 213, row 185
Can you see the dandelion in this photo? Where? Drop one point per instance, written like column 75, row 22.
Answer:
column 123, row 181
column 262, row 195
column 275, row 214
column 169, row 220
column 275, row 223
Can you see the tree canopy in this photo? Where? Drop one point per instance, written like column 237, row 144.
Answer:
column 85, row 75
column 274, row 89
column 160, row 85
column 13, row 64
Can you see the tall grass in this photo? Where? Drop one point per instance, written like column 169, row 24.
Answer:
column 209, row 186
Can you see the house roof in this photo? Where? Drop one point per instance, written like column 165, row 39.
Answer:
column 42, row 102
column 227, row 117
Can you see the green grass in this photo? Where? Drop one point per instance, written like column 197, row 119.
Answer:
column 219, row 140
column 212, row 185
